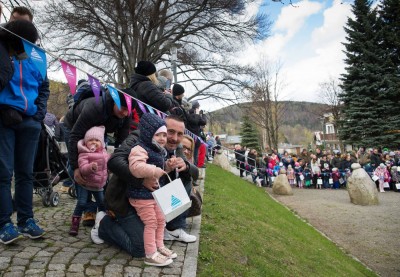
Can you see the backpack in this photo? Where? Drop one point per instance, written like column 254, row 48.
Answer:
column 84, row 91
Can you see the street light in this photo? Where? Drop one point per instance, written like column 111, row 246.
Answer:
column 174, row 56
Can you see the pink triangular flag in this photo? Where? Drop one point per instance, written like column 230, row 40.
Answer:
column 70, row 74
column 128, row 100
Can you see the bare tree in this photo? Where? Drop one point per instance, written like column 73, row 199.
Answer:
column 265, row 109
column 329, row 94
column 111, row 36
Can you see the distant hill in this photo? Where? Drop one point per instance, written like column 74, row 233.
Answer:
column 297, row 115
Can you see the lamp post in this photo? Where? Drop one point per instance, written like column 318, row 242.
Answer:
column 174, row 56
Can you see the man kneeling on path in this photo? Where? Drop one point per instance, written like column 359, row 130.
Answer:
column 126, row 231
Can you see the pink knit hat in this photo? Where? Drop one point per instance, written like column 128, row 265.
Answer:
column 96, row 132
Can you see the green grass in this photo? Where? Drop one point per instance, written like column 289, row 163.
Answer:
column 246, row 233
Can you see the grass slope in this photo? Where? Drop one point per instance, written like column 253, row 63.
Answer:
column 246, row 233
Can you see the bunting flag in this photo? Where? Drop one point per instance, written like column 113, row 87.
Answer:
column 159, row 113
column 150, row 109
column 95, row 84
column 141, row 106
column 70, row 74
column 38, row 57
column 128, row 100
column 114, row 94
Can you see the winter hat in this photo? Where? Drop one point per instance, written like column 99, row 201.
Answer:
column 280, row 164
column 177, row 89
column 391, row 154
column 289, row 166
column 296, row 164
column 148, row 125
column 195, row 104
column 96, row 132
column 382, row 165
column 145, row 68
column 162, row 129
column 334, row 169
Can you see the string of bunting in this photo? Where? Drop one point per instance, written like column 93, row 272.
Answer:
column 38, row 57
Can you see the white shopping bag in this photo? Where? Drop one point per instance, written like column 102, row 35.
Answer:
column 301, row 177
column 398, row 186
column 386, row 185
column 375, row 178
column 272, row 179
column 319, row 181
column 330, row 181
column 398, row 169
column 172, row 199
column 341, row 181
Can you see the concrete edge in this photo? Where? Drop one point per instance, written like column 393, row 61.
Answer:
column 189, row 268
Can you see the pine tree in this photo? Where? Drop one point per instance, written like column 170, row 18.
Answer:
column 388, row 37
column 360, row 82
column 249, row 134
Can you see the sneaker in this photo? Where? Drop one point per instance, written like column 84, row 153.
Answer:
column 94, row 233
column 9, row 233
column 30, row 229
column 157, row 260
column 88, row 219
column 167, row 252
column 180, row 235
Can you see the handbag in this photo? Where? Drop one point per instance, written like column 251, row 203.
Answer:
column 197, row 202
column 172, row 199
column 10, row 117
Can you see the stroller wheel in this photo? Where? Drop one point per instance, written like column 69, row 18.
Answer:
column 46, row 199
column 54, row 198
column 72, row 191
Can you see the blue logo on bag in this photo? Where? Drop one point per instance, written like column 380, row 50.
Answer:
column 175, row 202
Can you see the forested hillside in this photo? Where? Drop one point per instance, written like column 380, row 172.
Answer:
column 296, row 117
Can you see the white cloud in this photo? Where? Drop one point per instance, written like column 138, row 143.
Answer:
column 327, row 58
column 291, row 19
column 288, row 24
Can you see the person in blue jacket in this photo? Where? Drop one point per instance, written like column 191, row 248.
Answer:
column 23, row 104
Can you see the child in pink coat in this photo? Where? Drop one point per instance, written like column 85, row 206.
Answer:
column 382, row 173
column 147, row 160
column 92, row 161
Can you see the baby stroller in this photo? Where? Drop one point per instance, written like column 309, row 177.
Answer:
column 49, row 168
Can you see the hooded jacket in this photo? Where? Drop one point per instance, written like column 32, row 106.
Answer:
column 21, row 85
column 89, row 113
column 149, row 93
column 147, row 157
column 96, row 180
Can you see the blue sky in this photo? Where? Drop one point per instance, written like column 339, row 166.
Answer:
column 307, row 41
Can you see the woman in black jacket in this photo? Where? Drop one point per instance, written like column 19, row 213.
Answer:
column 144, row 82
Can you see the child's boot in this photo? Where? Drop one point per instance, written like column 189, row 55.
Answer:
column 74, row 225
column 381, row 187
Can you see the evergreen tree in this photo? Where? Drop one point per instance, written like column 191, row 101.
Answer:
column 249, row 133
column 360, row 113
column 388, row 37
